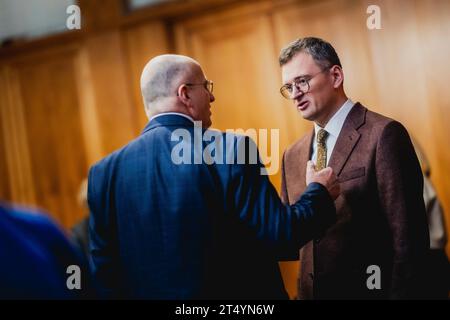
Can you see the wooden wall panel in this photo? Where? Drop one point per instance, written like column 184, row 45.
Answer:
column 5, row 194
column 88, row 108
column 53, row 127
column 16, row 156
column 399, row 69
column 116, row 114
column 62, row 110
column 236, row 49
column 143, row 42
column 433, row 30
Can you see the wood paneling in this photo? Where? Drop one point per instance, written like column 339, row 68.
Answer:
column 5, row 194
column 16, row 144
column 63, row 108
column 433, row 31
column 236, row 50
column 88, row 107
column 100, row 15
column 142, row 43
column 117, row 116
column 53, row 127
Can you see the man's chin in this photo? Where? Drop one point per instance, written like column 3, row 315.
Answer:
column 207, row 124
column 306, row 115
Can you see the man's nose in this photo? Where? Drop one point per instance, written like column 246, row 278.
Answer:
column 296, row 93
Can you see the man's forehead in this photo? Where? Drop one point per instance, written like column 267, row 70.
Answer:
column 301, row 64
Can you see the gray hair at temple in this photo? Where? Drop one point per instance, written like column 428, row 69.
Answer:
column 321, row 51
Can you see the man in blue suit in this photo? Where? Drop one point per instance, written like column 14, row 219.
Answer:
column 161, row 228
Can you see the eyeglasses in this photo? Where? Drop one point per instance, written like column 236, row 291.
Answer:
column 208, row 84
column 301, row 83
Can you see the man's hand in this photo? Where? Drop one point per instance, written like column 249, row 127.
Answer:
column 325, row 177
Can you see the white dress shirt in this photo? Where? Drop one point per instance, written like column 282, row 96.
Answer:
column 333, row 128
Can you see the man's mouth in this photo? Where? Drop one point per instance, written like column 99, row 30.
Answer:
column 302, row 105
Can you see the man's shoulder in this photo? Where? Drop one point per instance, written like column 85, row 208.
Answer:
column 16, row 220
column 105, row 163
column 372, row 122
column 375, row 123
column 22, row 217
column 113, row 157
column 377, row 119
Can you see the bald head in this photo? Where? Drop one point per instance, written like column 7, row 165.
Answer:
column 160, row 79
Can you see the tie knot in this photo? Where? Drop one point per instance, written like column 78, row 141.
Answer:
column 322, row 136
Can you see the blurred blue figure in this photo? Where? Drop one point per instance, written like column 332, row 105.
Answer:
column 34, row 257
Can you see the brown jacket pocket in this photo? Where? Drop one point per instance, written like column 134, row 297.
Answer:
column 352, row 174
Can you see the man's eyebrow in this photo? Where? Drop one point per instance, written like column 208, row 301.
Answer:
column 297, row 78
column 302, row 76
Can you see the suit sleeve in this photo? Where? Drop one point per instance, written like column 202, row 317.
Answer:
column 102, row 227
column 291, row 255
column 283, row 227
column 284, row 192
column 400, row 186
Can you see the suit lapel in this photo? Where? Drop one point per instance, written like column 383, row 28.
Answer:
column 304, row 154
column 348, row 138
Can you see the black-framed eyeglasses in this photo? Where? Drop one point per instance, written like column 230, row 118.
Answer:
column 208, row 84
column 301, row 83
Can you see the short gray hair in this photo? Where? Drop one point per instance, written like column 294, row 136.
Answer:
column 321, row 51
column 161, row 76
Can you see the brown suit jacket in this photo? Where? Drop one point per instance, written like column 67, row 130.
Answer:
column 381, row 217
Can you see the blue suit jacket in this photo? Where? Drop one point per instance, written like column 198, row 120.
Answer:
column 162, row 230
column 34, row 256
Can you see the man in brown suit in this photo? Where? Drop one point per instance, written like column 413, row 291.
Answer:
column 379, row 245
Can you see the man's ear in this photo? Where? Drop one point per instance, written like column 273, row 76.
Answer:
column 183, row 93
column 338, row 76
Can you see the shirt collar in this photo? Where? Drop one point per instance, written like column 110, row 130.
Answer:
column 171, row 113
column 336, row 122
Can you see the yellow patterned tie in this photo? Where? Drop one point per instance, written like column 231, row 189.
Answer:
column 321, row 150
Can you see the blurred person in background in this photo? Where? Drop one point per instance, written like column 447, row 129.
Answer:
column 35, row 256
column 439, row 266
